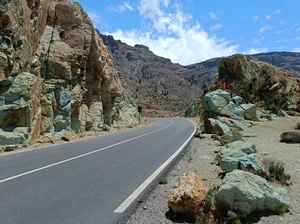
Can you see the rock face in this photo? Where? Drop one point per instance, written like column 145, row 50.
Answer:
column 244, row 193
column 258, row 82
column 188, row 198
column 55, row 72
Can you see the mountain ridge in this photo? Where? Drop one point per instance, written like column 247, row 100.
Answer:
column 175, row 86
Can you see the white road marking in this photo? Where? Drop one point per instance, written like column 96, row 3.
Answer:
column 80, row 156
column 142, row 187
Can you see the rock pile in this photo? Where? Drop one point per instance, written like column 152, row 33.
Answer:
column 55, row 73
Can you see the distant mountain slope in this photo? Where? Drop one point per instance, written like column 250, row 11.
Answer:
column 161, row 85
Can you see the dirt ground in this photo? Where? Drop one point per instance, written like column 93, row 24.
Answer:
column 200, row 159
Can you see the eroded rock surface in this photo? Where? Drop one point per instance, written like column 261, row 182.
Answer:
column 188, row 198
column 55, row 72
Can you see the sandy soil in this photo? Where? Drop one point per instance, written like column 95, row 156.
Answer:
column 200, row 159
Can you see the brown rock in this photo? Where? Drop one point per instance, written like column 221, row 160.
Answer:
column 188, row 198
column 290, row 137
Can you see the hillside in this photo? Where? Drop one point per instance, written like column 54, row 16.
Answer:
column 161, row 85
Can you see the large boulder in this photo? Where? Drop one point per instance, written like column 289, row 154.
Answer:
column 187, row 198
column 244, row 193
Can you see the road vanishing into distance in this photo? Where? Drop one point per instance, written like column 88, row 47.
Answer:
column 97, row 180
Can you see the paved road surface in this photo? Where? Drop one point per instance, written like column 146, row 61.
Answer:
column 88, row 181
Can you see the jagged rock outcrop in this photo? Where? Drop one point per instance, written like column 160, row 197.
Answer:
column 55, row 72
column 258, row 82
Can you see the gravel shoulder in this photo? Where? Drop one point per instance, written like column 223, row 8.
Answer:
column 200, row 159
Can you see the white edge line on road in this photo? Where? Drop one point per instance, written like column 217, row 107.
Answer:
column 80, row 156
column 142, row 187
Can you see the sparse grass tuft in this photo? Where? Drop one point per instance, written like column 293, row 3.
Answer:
column 277, row 171
column 163, row 180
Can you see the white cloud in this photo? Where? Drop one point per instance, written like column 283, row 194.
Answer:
column 277, row 11
column 264, row 28
column 213, row 15
column 216, row 27
column 255, row 17
column 267, row 17
column 297, row 38
column 281, row 41
column 258, row 41
column 96, row 19
column 256, row 50
column 125, row 6
column 171, row 33
column 296, row 50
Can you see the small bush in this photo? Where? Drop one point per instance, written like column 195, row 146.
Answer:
column 277, row 170
column 163, row 180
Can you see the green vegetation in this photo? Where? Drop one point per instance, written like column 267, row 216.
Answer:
column 277, row 170
column 25, row 144
column 282, row 209
column 163, row 180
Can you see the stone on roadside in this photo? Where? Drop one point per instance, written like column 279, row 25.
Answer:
column 244, row 193
column 218, row 127
column 246, row 147
column 290, row 137
column 188, row 198
column 232, row 159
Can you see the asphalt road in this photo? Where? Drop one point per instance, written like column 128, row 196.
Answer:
column 98, row 180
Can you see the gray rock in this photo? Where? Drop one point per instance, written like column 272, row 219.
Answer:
column 244, row 193
column 63, row 96
column 246, row 163
column 215, row 101
column 246, row 147
column 219, row 128
column 10, row 138
column 249, row 111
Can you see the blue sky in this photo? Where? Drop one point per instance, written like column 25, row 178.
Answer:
column 191, row 31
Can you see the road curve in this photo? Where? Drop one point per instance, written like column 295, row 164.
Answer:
column 97, row 180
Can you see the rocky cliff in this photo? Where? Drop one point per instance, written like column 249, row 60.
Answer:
column 55, row 72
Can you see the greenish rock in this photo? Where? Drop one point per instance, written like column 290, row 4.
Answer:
column 237, row 100
column 20, row 91
column 10, row 138
column 192, row 111
column 246, row 162
column 246, row 147
column 218, row 127
column 63, row 96
column 215, row 101
column 62, row 122
column 244, row 193
column 249, row 111
column 232, row 153
column 232, row 111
